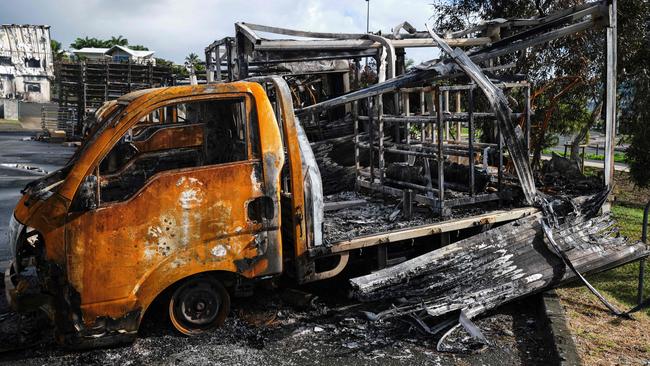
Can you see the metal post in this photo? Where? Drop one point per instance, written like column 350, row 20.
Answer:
column 500, row 175
column 380, row 127
column 422, row 126
column 367, row 22
column 458, row 110
column 644, row 238
column 528, row 115
column 355, row 117
column 371, row 138
column 446, row 110
column 470, row 127
column 407, row 111
column 208, row 66
column 441, row 158
column 407, row 203
column 610, row 107
column 434, row 108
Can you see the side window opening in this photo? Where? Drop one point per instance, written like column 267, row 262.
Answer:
column 225, row 140
column 32, row 87
column 222, row 124
column 32, row 62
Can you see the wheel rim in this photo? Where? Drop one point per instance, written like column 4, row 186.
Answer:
column 197, row 306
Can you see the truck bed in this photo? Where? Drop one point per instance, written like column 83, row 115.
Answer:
column 354, row 217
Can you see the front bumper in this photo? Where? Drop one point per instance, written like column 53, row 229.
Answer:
column 23, row 291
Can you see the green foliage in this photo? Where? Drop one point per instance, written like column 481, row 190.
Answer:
column 194, row 60
column 93, row 42
column 57, row 51
column 581, row 55
column 138, row 47
column 618, row 157
column 634, row 55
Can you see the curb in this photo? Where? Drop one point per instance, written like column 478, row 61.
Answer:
column 564, row 347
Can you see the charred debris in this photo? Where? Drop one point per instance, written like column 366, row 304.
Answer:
column 404, row 152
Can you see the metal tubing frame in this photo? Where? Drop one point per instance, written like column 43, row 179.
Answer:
column 435, row 148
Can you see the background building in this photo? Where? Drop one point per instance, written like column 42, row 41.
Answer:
column 116, row 54
column 26, row 66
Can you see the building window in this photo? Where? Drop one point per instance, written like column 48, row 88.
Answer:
column 5, row 61
column 121, row 58
column 33, row 87
column 32, row 62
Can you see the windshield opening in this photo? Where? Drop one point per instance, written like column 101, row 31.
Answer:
column 51, row 182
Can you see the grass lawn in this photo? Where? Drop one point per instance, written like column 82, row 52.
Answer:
column 618, row 157
column 601, row 338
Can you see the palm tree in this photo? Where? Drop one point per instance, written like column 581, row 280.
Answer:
column 80, row 43
column 138, row 47
column 118, row 41
column 57, row 51
column 192, row 59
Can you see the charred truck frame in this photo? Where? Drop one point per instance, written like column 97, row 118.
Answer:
column 186, row 192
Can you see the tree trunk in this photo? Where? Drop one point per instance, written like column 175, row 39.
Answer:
column 575, row 145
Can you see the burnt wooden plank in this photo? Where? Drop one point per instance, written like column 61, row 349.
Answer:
column 497, row 266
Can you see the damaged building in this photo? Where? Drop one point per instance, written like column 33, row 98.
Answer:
column 26, row 65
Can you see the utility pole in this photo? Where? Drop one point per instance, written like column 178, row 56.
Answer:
column 367, row 22
column 610, row 101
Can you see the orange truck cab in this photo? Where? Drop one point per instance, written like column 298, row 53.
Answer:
column 175, row 191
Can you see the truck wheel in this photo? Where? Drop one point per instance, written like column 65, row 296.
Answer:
column 198, row 305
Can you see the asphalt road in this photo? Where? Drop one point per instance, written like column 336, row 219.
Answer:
column 22, row 160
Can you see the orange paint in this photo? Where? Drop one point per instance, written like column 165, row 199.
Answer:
column 119, row 256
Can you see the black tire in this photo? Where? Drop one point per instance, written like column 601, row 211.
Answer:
column 198, row 305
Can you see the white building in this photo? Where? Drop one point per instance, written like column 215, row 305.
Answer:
column 26, row 66
column 92, row 54
column 116, row 54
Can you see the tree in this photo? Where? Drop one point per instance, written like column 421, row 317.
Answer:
column 57, row 51
column 581, row 55
column 193, row 60
column 93, row 42
column 80, row 43
column 117, row 41
column 178, row 70
column 634, row 79
column 138, row 47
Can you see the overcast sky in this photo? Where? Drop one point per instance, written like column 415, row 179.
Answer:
column 174, row 28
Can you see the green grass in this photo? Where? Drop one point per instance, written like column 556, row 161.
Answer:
column 621, row 283
column 618, row 157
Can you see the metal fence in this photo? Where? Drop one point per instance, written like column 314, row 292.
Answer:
column 56, row 118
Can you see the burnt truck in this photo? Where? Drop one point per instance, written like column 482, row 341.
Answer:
column 182, row 191
column 187, row 194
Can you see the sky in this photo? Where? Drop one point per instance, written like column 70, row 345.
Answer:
column 175, row 28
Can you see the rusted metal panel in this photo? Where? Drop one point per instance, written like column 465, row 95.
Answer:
column 173, row 137
column 180, row 223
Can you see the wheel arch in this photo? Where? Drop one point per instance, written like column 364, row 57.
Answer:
column 147, row 296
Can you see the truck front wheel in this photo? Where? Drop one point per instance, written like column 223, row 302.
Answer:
column 198, row 305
